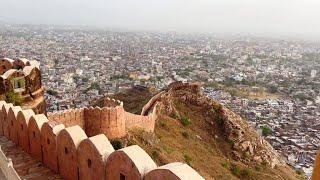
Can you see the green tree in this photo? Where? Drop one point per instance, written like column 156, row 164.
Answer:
column 95, row 85
column 117, row 144
column 266, row 130
column 14, row 98
column 85, row 79
column 52, row 92
column 185, row 121
column 187, row 159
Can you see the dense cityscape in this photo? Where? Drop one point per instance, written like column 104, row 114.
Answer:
column 272, row 83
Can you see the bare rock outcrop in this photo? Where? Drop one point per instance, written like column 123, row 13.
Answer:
column 247, row 144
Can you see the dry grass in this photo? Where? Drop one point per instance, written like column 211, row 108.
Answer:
column 250, row 93
column 133, row 99
column 197, row 143
column 210, row 156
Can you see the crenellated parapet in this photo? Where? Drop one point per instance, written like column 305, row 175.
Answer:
column 6, row 64
column 71, row 153
column 70, row 117
column 112, row 120
column 19, row 76
column 109, row 102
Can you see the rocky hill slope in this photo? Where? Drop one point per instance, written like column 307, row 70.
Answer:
column 216, row 142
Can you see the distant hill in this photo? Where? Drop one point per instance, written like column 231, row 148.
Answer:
column 201, row 132
column 133, row 99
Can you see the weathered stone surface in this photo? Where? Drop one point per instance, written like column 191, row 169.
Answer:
column 23, row 118
column 49, row 133
column 173, row 171
column 68, row 141
column 5, row 124
column 111, row 121
column 5, row 65
column 12, row 118
column 24, row 164
column 131, row 162
column 92, row 155
column 224, row 123
column 34, row 132
column 1, row 117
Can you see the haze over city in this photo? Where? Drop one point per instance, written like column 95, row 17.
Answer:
column 284, row 17
column 159, row 89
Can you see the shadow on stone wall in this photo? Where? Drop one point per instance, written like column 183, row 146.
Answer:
column 113, row 120
column 69, row 152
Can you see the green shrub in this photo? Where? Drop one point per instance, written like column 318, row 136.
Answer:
column 258, row 168
column 246, row 173
column 185, row 121
column 219, row 120
column 52, row 92
column 155, row 154
column 164, row 125
column 168, row 149
column 14, row 98
column 235, row 170
column 266, row 130
column 117, row 144
column 185, row 134
column 187, row 159
column 217, row 107
column 264, row 163
column 225, row 164
column 175, row 116
column 299, row 171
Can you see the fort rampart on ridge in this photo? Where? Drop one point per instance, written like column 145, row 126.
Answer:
column 111, row 120
column 72, row 147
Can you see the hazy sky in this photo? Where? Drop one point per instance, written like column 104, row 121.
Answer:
column 230, row 16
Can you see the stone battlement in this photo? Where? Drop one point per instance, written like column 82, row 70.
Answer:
column 21, row 76
column 7, row 64
column 112, row 102
column 70, row 152
column 112, row 120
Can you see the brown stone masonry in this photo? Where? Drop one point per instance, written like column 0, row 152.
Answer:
column 113, row 120
column 73, row 155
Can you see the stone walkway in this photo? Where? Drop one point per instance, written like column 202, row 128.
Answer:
column 27, row 167
column 2, row 175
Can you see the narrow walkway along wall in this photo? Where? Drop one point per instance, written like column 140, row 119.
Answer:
column 6, row 167
column 73, row 155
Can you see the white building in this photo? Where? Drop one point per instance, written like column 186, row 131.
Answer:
column 313, row 73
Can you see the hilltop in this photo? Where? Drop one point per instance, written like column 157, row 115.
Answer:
column 212, row 139
column 134, row 99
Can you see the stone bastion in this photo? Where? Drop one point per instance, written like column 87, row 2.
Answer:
column 23, row 77
column 111, row 120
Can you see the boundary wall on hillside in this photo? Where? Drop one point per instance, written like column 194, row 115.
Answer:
column 112, row 120
column 151, row 103
column 71, row 153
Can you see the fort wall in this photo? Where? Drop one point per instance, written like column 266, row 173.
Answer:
column 146, row 123
column 113, row 120
column 151, row 103
column 74, row 155
column 69, row 117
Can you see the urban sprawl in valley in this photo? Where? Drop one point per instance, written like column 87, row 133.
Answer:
column 273, row 83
